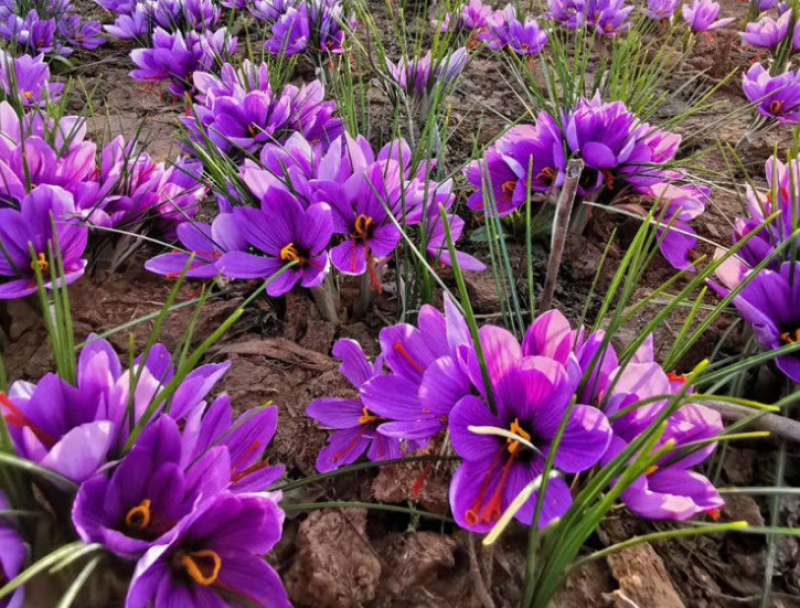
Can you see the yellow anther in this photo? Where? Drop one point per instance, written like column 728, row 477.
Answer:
column 41, row 262
column 203, row 566
column 290, row 254
column 513, row 444
column 362, row 226
column 140, row 516
column 367, row 417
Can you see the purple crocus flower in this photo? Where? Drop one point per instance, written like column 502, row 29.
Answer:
column 355, row 425
column 782, row 195
column 27, row 80
column 770, row 303
column 669, row 489
column 473, row 17
column 12, row 557
column 532, row 396
column 31, row 34
column 46, row 208
column 609, row 17
column 62, row 427
column 569, row 13
column 215, row 558
column 418, row 76
column 148, row 493
column 285, row 232
column 775, row 96
column 602, row 135
column 428, row 375
column 249, row 122
column 681, row 204
column 661, row 9
column 206, row 243
column 175, row 56
column 290, row 33
column 767, row 32
column 701, row 16
column 245, row 438
column 525, row 156
column 507, row 31
column 369, row 231
column 270, row 11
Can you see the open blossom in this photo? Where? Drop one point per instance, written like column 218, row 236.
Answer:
column 215, row 557
column 775, row 96
column 269, row 11
column 669, row 490
column 428, row 375
column 73, row 430
column 506, row 31
column 310, row 25
column 474, row 16
column 770, row 303
column 45, row 224
column 286, row 233
column 768, row 32
column 532, row 394
column 204, row 245
column 148, row 493
column 609, row 17
column 26, row 80
column 569, row 13
column 526, row 156
column 240, row 112
column 175, row 57
column 355, row 426
column 602, row 134
column 701, row 16
column 661, row 9
column 12, row 558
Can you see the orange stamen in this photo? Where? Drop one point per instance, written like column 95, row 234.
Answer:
column 140, row 516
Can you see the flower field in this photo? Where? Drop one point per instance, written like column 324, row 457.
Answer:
column 397, row 304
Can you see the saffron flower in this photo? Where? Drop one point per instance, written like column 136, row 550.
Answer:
column 148, row 493
column 661, row 9
column 701, row 16
column 44, row 224
column 287, row 233
column 428, row 375
column 473, row 17
column 205, row 246
column 767, row 32
column 311, row 25
column 215, row 557
column 12, row 557
column 175, row 57
column 26, row 80
column 506, row 31
column 609, row 17
column 269, row 11
column 602, row 135
column 569, row 13
column 782, row 195
column 419, row 77
column 769, row 303
column 524, row 157
column 533, row 395
column 354, row 424
column 775, row 96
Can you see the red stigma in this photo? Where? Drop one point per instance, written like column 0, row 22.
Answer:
column 17, row 419
column 675, row 377
column 401, row 350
